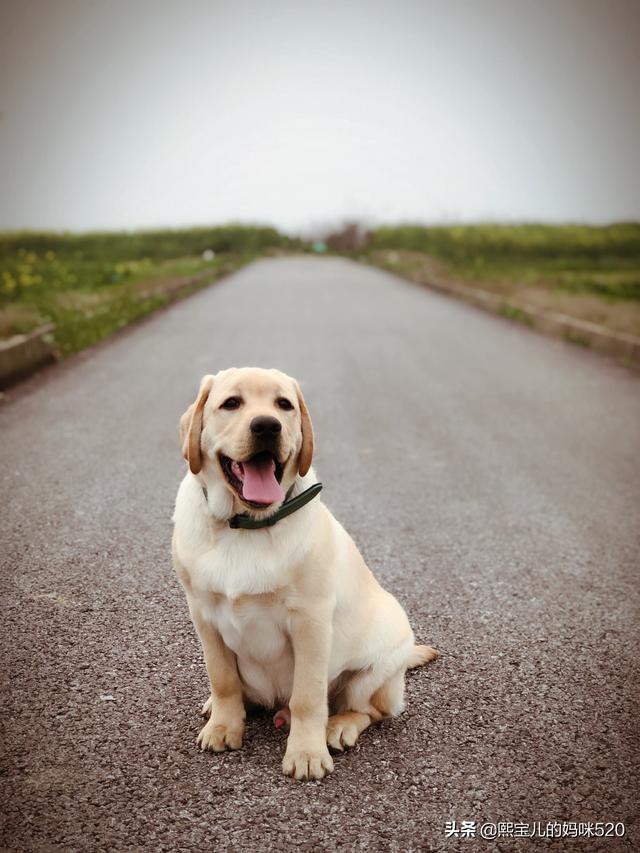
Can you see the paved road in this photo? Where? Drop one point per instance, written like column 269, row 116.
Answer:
column 491, row 477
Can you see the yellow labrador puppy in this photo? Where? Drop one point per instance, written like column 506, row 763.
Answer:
column 287, row 612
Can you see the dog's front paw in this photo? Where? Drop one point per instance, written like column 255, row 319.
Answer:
column 307, row 763
column 218, row 735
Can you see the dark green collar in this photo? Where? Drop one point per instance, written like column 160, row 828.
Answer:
column 248, row 523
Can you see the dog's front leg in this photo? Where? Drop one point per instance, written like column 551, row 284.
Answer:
column 307, row 756
column 225, row 727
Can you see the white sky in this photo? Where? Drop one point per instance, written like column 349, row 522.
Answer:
column 133, row 114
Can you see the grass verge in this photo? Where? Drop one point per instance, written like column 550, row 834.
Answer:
column 92, row 285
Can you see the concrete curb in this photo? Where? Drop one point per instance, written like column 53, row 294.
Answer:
column 22, row 354
column 591, row 335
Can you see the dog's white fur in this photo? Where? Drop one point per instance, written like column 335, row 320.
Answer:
column 290, row 614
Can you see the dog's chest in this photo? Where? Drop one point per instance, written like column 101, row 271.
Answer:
column 253, row 626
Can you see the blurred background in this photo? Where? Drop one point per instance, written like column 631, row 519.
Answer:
column 506, row 134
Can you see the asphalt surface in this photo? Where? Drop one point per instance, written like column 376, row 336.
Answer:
column 491, row 477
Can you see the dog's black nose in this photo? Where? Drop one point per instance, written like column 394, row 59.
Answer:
column 265, row 426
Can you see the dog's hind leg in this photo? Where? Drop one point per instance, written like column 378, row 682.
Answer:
column 363, row 703
column 373, row 694
column 344, row 729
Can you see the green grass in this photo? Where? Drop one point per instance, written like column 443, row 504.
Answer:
column 93, row 284
column 611, row 278
column 111, row 247
column 479, row 244
column 604, row 261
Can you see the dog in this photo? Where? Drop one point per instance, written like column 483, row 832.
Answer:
column 287, row 612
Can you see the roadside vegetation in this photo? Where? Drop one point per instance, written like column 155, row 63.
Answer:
column 587, row 272
column 90, row 285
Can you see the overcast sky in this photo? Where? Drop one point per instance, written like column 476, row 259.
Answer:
column 130, row 113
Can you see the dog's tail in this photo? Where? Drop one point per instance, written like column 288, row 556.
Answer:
column 421, row 655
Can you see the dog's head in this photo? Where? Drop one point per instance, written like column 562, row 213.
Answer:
column 250, row 429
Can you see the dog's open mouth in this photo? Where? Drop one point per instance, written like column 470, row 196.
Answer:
column 256, row 480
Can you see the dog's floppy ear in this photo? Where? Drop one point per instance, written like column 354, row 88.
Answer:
column 306, row 451
column 191, row 426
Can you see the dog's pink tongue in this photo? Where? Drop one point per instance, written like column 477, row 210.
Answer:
column 259, row 483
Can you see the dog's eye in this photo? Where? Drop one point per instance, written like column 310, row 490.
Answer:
column 231, row 403
column 285, row 404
